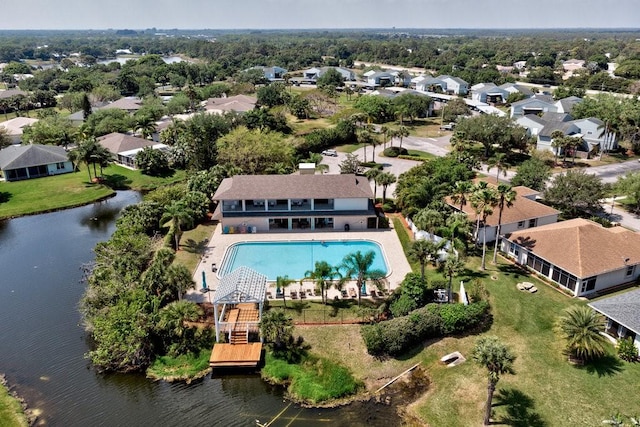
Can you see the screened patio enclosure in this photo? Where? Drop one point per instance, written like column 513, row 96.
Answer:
column 238, row 303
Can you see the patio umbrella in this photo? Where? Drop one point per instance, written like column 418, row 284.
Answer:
column 204, row 280
column 363, row 290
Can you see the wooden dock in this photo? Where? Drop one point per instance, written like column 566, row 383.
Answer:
column 236, row 355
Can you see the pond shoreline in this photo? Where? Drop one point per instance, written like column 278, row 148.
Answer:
column 30, row 415
column 62, row 208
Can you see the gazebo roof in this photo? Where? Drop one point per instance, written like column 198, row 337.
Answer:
column 241, row 285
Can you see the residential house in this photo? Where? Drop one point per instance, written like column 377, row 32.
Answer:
column 573, row 64
column 128, row 104
column 516, row 88
column 124, row 148
column 401, row 78
column 489, row 93
column 622, row 313
column 565, row 105
column 524, row 213
column 455, row 85
column 15, row 126
column 579, row 255
column 596, row 135
column 531, row 106
column 545, row 140
column 5, row 94
column 532, row 123
column 520, row 65
column 262, row 203
column 380, row 78
column 273, row 74
column 431, row 84
column 313, row 74
column 237, row 103
column 33, row 161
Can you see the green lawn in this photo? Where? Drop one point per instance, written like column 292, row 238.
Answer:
column 193, row 243
column 313, row 311
column 545, row 391
column 121, row 178
column 72, row 189
column 49, row 193
column 11, row 414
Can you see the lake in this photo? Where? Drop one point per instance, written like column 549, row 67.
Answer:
column 42, row 343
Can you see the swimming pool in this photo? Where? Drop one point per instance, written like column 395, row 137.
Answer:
column 294, row 258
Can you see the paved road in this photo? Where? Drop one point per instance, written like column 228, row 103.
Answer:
column 610, row 173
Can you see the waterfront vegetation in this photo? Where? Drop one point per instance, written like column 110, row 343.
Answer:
column 314, row 379
column 11, row 412
column 184, row 367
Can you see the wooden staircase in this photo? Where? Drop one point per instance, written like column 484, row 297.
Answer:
column 239, row 337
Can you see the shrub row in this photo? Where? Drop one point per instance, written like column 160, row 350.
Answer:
column 396, row 336
column 394, row 152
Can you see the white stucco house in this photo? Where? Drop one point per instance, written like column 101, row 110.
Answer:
column 263, row 203
column 578, row 255
column 524, row 213
column 455, row 85
column 531, row 106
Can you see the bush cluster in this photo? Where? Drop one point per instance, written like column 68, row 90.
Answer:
column 396, row 336
column 395, row 152
column 321, row 139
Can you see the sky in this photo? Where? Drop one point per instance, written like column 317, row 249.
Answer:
column 295, row 14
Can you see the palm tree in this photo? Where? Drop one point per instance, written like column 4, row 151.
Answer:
column 457, row 224
column 172, row 328
column 557, row 142
column 491, row 353
column 365, row 138
column 281, row 283
column 385, row 179
column 460, row 192
column 358, row 264
column 178, row 213
column 499, row 161
column 321, row 275
column 401, row 132
column 506, row 197
column 424, row 251
column 145, row 125
column 429, row 220
column 451, row 266
column 483, row 201
column 372, row 175
column 276, row 327
column 317, row 159
column 88, row 152
column 384, row 130
column 580, row 327
column 4, row 106
column 179, row 279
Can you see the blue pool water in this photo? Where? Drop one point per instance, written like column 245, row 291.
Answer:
column 294, row 258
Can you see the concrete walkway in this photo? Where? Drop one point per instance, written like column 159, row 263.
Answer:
column 218, row 244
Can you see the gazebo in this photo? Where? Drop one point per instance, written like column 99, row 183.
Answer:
column 236, row 297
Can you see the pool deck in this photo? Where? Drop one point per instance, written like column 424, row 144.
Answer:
column 214, row 252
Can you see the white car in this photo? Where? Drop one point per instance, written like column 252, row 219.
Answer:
column 332, row 153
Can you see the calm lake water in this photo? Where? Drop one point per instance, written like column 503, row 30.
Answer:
column 42, row 344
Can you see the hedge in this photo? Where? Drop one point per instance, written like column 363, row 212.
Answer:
column 396, row 336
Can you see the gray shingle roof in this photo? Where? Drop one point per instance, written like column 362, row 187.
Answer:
column 24, row 156
column 567, row 128
column 248, row 187
column 623, row 308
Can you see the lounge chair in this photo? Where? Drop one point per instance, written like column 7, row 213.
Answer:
column 294, row 295
column 373, row 293
column 353, row 293
column 303, row 295
column 344, row 293
column 269, row 295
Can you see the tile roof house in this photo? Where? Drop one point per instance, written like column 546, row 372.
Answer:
column 622, row 312
column 274, row 202
column 15, row 126
column 524, row 213
column 237, row 103
column 579, row 255
column 125, row 147
column 33, row 161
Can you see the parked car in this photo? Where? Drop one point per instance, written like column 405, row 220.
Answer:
column 448, row 126
column 332, row 153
